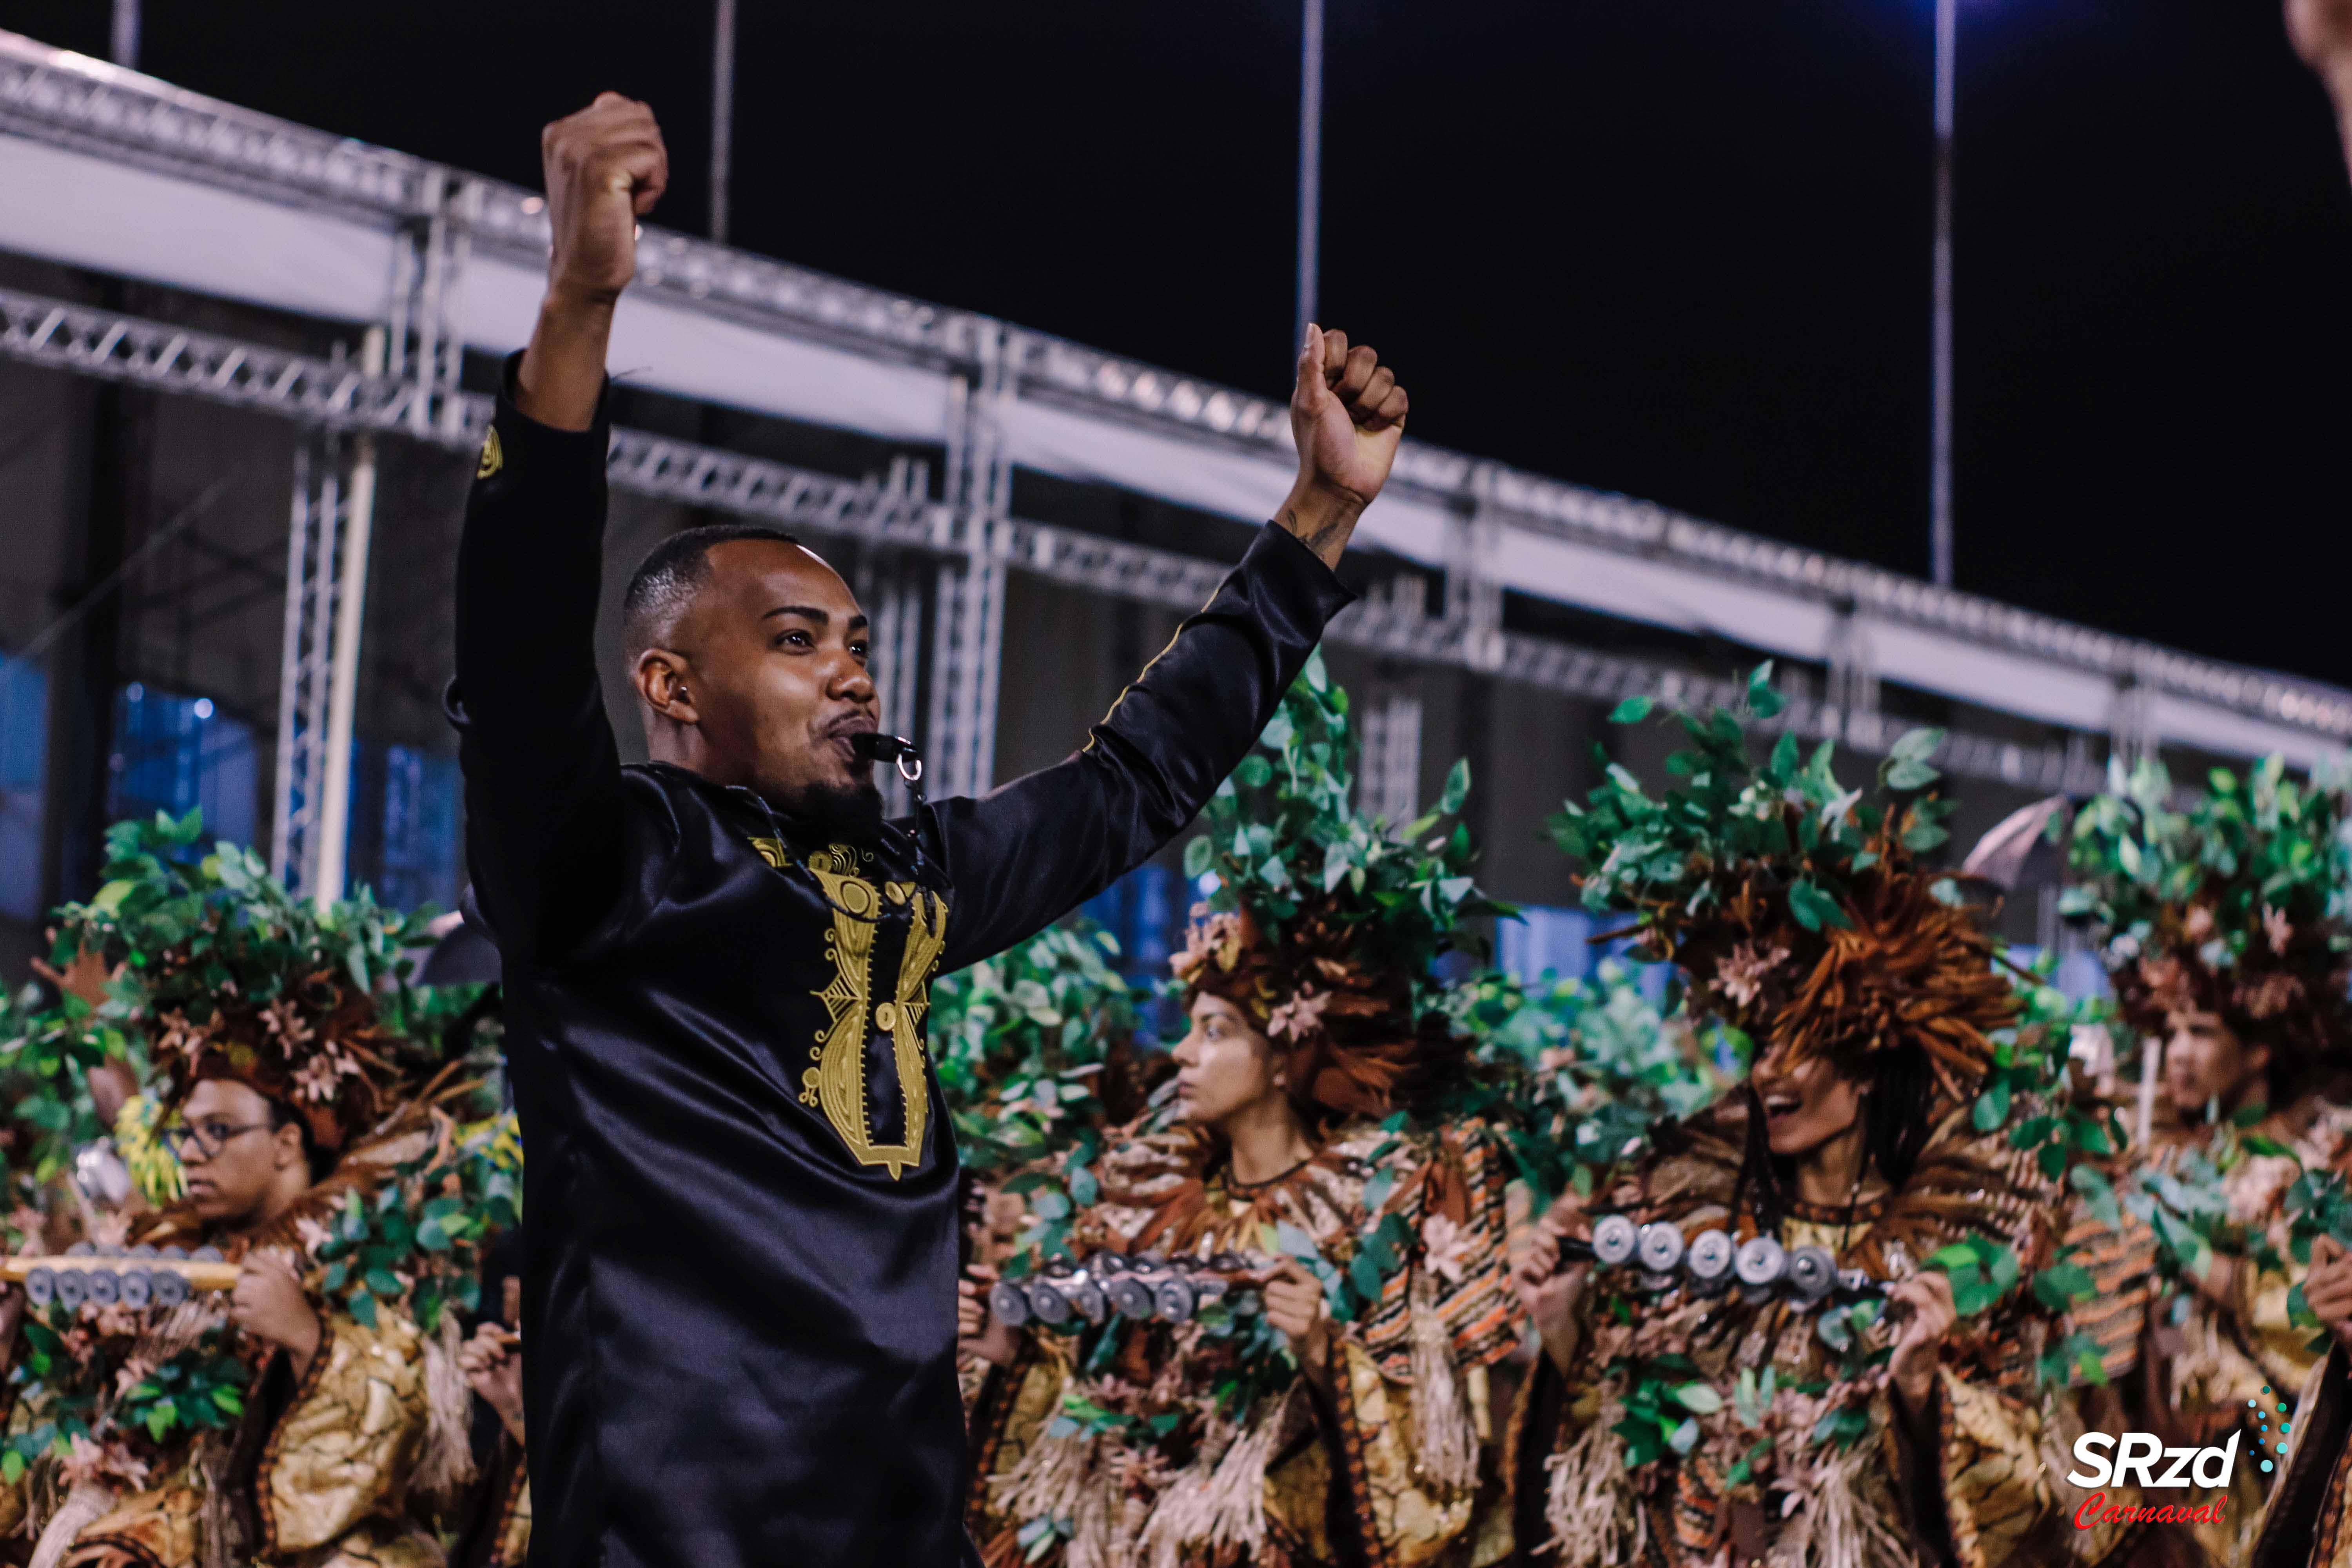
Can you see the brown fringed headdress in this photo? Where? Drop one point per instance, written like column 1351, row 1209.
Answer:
column 1797, row 909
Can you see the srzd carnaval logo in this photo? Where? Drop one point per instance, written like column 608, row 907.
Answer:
column 2103, row 1460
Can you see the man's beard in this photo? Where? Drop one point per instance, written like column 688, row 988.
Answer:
column 848, row 814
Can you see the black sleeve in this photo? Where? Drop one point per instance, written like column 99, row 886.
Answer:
column 542, row 774
column 1022, row 856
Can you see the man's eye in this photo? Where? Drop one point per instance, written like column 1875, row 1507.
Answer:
column 859, row 649
column 794, row 639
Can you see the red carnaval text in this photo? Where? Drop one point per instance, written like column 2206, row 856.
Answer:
column 2097, row 1510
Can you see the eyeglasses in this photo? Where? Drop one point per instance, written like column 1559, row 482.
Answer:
column 209, row 1137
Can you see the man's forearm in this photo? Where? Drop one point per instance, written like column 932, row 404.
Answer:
column 1320, row 520
column 563, row 372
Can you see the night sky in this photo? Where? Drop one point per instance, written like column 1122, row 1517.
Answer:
column 1675, row 248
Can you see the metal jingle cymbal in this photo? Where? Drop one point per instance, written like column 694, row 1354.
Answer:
column 1615, row 1240
column 1007, row 1300
column 1659, row 1245
column 1760, row 1261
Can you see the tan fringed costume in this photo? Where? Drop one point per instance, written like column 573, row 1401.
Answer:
column 1396, row 1467
column 1766, row 1492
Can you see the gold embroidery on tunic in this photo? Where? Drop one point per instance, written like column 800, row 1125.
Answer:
column 840, row 1073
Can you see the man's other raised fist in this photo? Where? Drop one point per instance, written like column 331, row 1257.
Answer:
column 605, row 167
column 1347, row 414
column 2321, row 31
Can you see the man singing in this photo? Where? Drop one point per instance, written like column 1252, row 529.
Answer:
column 740, row 1231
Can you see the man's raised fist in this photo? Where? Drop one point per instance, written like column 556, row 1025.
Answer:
column 1347, row 415
column 605, row 167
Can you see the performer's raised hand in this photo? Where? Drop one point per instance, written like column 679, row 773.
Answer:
column 605, row 167
column 2328, row 1288
column 1549, row 1293
column 492, row 1362
column 270, row 1304
column 1347, row 416
column 1296, row 1306
column 2321, row 31
column 980, row 1335
column 1920, row 1345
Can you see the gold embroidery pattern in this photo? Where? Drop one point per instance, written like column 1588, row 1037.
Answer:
column 839, row 1076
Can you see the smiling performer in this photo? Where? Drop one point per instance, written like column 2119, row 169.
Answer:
column 1677, row 1422
column 1207, row 1442
column 741, row 1238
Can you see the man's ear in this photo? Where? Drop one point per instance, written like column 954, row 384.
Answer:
column 661, row 681
column 289, row 1141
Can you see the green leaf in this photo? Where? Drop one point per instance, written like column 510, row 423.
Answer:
column 1199, row 856
column 1632, row 711
column 1812, row 909
column 1699, row 1398
column 1908, row 774
column 1457, row 787
column 1364, row 1277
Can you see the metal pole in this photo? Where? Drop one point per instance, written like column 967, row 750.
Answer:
column 722, row 116
column 344, row 680
column 123, row 48
column 1939, row 481
column 1310, row 166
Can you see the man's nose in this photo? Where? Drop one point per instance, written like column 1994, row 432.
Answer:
column 851, row 682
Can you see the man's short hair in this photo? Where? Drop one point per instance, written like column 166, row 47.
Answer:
column 672, row 574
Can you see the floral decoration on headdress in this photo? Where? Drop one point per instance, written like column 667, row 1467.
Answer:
column 1325, row 923
column 1798, row 907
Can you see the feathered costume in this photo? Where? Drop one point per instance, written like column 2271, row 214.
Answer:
column 166, row 1437
column 2233, row 908
column 1199, row 1444
column 1699, row 1430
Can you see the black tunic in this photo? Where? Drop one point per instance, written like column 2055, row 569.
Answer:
column 740, row 1234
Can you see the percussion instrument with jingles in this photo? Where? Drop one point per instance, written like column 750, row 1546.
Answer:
column 1711, row 1263
column 1146, row 1287
column 135, row 1277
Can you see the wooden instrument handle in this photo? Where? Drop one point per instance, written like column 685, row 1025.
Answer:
column 199, row 1276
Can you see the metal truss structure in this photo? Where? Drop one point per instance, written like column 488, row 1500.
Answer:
column 446, row 222
column 317, row 556
column 968, row 539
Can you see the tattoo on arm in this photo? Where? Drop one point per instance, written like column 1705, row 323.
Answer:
column 1325, row 536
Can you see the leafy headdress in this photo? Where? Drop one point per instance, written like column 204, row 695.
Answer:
column 218, row 973
column 2235, row 906
column 1799, row 908
column 1324, row 925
